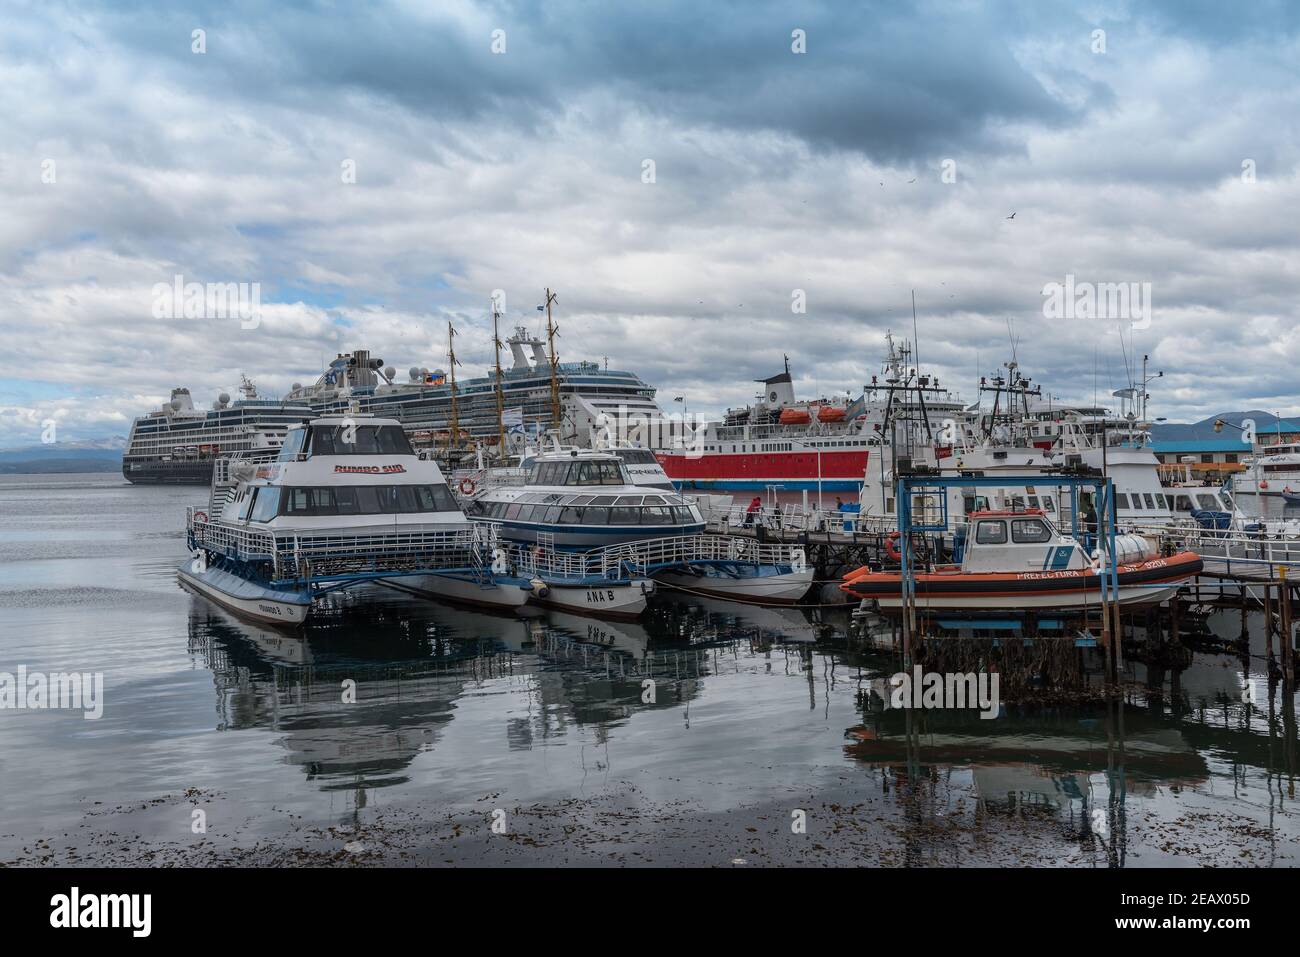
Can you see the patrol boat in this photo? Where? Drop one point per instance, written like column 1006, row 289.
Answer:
column 1012, row 559
column 344, row 501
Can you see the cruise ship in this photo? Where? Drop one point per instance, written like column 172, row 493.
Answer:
column 588, row 395
column 178, row 444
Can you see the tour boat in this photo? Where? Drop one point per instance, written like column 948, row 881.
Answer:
column 581, row 499
column 345, row 500
column 1017, row 559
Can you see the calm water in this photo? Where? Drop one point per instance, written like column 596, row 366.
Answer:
column 756, row 712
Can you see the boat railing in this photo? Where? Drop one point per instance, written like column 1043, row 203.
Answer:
column 314, row 553
column 796, row 519
column 613, row 562
column 1235, row 552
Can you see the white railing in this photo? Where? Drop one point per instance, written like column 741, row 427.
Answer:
column 1235, row 552
column 308, row 553
column 640, row 558
column 795, row 519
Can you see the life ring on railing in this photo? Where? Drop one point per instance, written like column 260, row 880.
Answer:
column 200, row 516
column 1264, row 484
column 891, row 546
column 467, row 486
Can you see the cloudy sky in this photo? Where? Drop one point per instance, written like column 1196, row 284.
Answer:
column 885, row 158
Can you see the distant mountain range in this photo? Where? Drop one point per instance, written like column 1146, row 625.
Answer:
column 1265, row 422
column 98, row 455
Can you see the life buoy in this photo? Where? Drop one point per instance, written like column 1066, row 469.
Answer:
column 891, row 546
column 200, row 516
column 1264, row 484
column 467, row 486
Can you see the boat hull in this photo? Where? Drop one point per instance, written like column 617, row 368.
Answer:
column 465, row 589
column 622, row 599
column 783, row 588
column 1149, row 582
column 274, row 606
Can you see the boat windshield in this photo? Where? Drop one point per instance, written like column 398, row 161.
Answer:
column 359, row 440
column 294, row 440
column 581, row 472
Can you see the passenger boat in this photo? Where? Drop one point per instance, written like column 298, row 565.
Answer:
column 346, row 500
column 580, row 499
column 1012, row 559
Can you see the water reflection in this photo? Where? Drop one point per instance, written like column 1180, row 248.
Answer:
column 413, row 664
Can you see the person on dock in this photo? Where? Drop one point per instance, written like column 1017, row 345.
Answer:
column 1089, row 523
column 751, row 513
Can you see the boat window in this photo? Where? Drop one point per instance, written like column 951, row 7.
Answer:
column 603, row 500
column 1182, row 503
column 266, row 505
column 570, row 515
column 1048, row 504
column 654, row 500
column 552, row 514
column 1206, row 501
column 359, row 440
column 512, row 512
column 623, row 515
column 245, row 503
column 628, row 500
column 1029, row 531
column 1033, row 501
column 294, row 440
column 435, row 498
column 595, row 515
column 525, row 513
column 1160, row 500
column 656, row 515
column 681, row 515
column 991, row 533
column 580, row 500
column 1149, row 499
column 1121, row 500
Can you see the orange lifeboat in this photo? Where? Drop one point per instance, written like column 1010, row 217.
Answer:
column 795, row 417
column 830, row 413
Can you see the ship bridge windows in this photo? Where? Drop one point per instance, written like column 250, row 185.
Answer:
column 359, row 440
column 585, row 472
column 991, row 533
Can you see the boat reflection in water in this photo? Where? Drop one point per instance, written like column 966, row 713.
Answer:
column 414, row 663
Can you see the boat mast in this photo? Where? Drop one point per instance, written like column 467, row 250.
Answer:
column 454, row 440
column 496, row 341
column 555, row 382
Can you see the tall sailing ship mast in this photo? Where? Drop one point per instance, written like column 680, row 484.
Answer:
column 500, row 395
column 551, row 331
column 453, row 440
